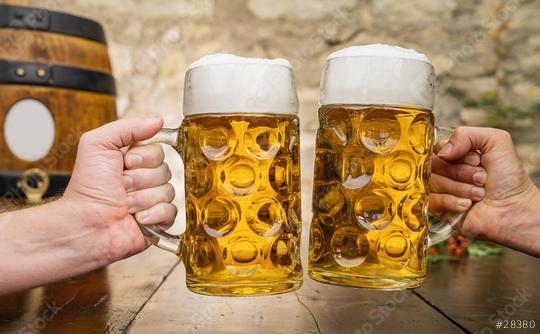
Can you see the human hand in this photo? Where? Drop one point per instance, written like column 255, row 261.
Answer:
column 114, row 187
column 456, row 184
column 508, row 190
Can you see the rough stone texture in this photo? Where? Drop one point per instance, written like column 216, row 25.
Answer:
column 478, row 47
column 473, row 116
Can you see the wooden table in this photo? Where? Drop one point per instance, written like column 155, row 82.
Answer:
column 147, row 294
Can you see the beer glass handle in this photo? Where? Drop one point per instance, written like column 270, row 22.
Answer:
column 152, row 234
column 450, row 222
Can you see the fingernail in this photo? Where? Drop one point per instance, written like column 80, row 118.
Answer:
column 134, row 159
column 446, row 149
column 464, row 203
column 478, row 192
column 142, row 216
column 128, row 181
column 471, row 160
column 479, row 178
column 130, row 202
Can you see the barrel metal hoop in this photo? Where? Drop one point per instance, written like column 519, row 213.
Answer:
column 10, row 184
column 33, row 18
column 41, row 74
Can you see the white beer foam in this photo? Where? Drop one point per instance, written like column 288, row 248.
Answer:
column 378, row 74
column 225, row 83
column 225, row 58
column 379, row 50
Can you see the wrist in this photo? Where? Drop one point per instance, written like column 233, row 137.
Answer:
column 519, row 225
column 85, row 239
column 44, row 244
column 109, row 227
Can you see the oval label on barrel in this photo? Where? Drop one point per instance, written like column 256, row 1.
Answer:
column 29, row 130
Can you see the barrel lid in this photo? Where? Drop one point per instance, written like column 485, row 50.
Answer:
column 40, row 19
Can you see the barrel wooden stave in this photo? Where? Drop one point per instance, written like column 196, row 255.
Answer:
column 51, row 48
column 74, row 112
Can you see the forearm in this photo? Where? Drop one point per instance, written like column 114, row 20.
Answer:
column 44, row 244
column 521, row 225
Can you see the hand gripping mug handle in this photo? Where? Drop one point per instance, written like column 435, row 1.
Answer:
column 450, row 222
column 153, row 234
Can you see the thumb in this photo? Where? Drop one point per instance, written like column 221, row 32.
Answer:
column 124, row 132
column 465, row 139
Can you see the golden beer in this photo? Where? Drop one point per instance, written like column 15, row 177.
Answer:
column 240, row 143
column 242, row 181
column 371, row 184
column 372, row 169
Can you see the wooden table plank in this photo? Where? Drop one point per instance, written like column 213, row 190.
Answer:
column 476, row 291
column 315, row 308
column 104, row 301
column 174, row 309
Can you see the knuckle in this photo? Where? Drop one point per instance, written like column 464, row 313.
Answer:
column 136, row 181
column 161, row 210
column 160, row 151
column 86, row 138
column 165, row 171
column 456, row 188
column 449, row 201
column 434, row 182
column 169, row 174
column 457, row 133
column 434, row 200
column 168, row 211
column 463, row 190
column 459, row 130
column 171, row 209
column 169, row 192
column 157, row 152
column 503, row 135
column 460, row 173
column 144, row 179
column 137, row 198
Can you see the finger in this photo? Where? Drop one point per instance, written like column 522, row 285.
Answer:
column 439, row 203
column 146, row 198
column 459, row 172
column 162, row 215
column 144, row 178
column 122, row 133
column 472, row 159
column 465, row 139
column 444, row 185
column 144, row 156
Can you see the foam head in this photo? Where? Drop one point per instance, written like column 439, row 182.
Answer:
column 378, row 74
column 224, row 83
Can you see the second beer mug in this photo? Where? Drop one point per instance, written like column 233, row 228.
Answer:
column 240, row 145
column 372, row 170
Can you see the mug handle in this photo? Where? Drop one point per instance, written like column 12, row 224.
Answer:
column 152, row 234
column 450, row 222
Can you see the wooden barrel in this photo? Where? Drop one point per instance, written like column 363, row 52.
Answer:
column 55, row 84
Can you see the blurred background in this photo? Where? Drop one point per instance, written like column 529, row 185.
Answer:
column 486, row 55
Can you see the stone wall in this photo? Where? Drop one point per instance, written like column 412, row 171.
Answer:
column 486, row 52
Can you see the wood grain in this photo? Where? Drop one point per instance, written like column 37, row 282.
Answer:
column 14, row 2
column 74, row 113
column 474, row 290
column 104, row 301
column 315, row 308
column 50, row 48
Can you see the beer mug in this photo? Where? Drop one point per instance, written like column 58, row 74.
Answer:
column 239, row 142
column 372, row 169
